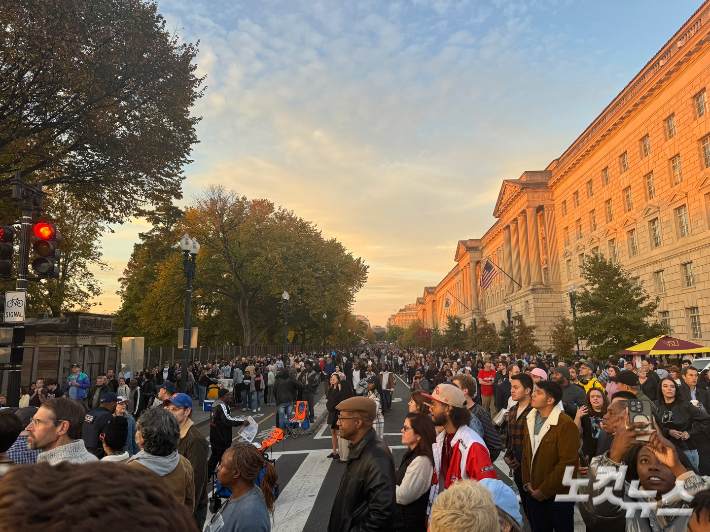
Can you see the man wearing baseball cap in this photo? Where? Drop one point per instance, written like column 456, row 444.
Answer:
column 459, row 452
column 587, row 378
column 165, row 392
column 193, row 446
column 366, row 497
column 95, row 423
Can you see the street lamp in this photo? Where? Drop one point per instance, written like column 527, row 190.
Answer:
column 509, row 312
column 285, row 296
column 190, row 248
column 349, row 341
column 325, row 316
column 573, row 303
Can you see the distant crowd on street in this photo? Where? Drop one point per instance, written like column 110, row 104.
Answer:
column 556, row 422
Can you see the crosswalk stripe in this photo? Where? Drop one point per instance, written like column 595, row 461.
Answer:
column 294, row 505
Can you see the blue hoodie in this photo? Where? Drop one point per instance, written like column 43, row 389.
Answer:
column 84, row 384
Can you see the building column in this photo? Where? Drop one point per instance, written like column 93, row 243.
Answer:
column 474, row 285
column 508, row 261
column 515, row 255
column 524, row 253
column 534, row 243
column 553, row 260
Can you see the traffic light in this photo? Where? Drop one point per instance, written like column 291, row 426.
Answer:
column 7, row 237
column 46, row 261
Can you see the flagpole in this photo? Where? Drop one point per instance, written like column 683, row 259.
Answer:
column 457, row 299
column 504, row 273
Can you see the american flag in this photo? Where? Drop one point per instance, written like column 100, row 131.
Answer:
column 487, row 275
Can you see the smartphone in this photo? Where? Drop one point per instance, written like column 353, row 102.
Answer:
column 582, row 459
column 640, row 411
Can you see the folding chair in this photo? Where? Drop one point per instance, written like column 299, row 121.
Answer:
column 299, row 419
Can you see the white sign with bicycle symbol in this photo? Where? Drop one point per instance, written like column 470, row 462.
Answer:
column 14, row 311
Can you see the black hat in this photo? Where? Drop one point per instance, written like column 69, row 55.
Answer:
column 373, row 380
column 116, row 433
column 222, row 392
column 169, row 386
column 109, row 397
column 626, row 377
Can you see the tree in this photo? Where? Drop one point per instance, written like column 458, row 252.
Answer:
column 251, row 252
column 96, row 95
column 613, row 311
column 393, row 333
column 408, row 337
column 423, row 336
column 562, row 337
column 507, row 340
column 524, row 337
column 483, row 337
column 455, row 337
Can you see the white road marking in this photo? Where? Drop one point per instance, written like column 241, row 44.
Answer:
column 295, row 502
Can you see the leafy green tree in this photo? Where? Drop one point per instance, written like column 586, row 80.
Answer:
column 562, row 337
column 613, row 312
column 95, row 95
column 393, row 333
column 524, row 337
column 507, row 340
column 483, row 337
column 455, row 336
column 408, row 337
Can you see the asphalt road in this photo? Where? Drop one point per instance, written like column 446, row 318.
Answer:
column 308, row 481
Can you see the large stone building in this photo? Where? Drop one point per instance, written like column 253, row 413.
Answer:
column 635, row 186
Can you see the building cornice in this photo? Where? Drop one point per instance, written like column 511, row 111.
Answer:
column 685, row 43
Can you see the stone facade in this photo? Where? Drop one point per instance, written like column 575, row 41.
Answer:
column 634, row 185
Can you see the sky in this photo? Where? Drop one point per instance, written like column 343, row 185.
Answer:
column 391, row 125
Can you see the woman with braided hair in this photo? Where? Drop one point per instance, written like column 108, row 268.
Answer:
column 250, row 505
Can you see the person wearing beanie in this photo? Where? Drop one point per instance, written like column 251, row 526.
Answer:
column 221, row 424
column 113, row 439
column 571, row 393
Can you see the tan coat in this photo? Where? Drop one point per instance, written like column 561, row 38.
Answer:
column 543, row 467
column 180, row 482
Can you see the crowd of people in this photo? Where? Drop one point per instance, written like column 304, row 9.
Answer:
column 561, row 426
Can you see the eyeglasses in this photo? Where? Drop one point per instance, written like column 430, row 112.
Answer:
column 39, row 422
column 406, row 428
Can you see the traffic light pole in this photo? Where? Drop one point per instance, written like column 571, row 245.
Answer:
column 30, row 199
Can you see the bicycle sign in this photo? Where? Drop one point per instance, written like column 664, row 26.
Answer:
column 14, row 311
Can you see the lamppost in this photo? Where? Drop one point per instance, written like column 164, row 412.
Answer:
column 285, row 297
column 573, row 303
column 190, row 248
column 340, row 334
column 509, row 312
column 325, row 316
column 458, row 322
column 349, row 341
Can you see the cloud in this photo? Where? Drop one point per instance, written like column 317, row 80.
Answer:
column 392, row 124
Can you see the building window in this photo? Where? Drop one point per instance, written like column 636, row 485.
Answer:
column 629, row 201
column 595, row 250
column 575, row 198
column 593, row 220
column 609, row 211
column 677, row 170
column 636, row 281
column 670, row 126
column 645, row 146
column 705, row 146
column 565, row 233
column 569, row 269
column 655, row 230
column 659, row 279
column 700, row 104
column 580, row 263
column 682, row 217
column 579, row 229
column 665, row 318
column 687, row 270
column 623, row 162
column 633, row 243
column 694, row 318
column 605, row 176
column 564, row 208
column 612, row 250
column 650, row 186
column 590, row 186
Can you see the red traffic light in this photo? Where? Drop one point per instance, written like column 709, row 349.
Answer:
column 7, row 233
column 44, row 230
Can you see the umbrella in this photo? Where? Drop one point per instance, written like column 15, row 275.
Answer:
column 665, row 345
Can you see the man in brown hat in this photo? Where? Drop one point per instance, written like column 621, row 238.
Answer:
column 366, row 497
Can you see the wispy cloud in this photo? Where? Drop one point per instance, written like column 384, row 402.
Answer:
column 391, row 124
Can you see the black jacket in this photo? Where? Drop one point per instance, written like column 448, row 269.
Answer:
column 221, row 424
column 682, row 416
column 490, row 435
column 700, row 394
column 171, row 375
column 310, row 380
column 502, row 394
column 94, row 424
column 285, row 390
column 103, row 389
column 411, row 517
column 366, row 500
